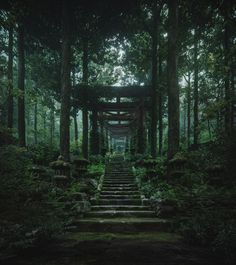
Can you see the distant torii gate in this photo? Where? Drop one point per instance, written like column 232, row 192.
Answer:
column 116, row 112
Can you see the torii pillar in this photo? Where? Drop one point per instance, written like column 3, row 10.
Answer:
column 141, row 130
column 94, row 135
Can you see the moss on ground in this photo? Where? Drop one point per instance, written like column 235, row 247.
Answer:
column 157, row 236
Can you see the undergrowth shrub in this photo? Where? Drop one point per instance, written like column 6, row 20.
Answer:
column 43, row 154
column 204, row 210
column 6, row 137
column 96, row 170
column 28, row 211
column 209, row 219
column 96, row 159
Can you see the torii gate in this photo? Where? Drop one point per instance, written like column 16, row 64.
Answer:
column 116, row 112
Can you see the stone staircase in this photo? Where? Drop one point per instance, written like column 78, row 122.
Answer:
column 119, row 207
column 120, row 196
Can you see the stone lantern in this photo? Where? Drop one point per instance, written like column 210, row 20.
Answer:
column 62, row 171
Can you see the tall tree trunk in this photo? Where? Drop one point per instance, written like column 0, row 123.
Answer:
column 45, row 126
column 155, row 78
column 76, row 127
column 75, row 110
column 85, row 133
column 28, row 119
column 172, row 80
column 36, row 122
column 189, row 110
column 21, row 85
column 52, row 125
column 184, row 118
column 65, row 84
column 160, row 120
column 209, row 128
column 149, row 138
column 227, row 67
column 195, row 92
column 219, row 112
column 85, row 109
column 141, row 130
column 233, row 102
column 94, row 136
column 106, row 140
column 10, row 78
column 102, row 139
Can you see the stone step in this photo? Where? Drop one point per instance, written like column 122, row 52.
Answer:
column 117, row 168
column 119, row 207
column 119, row 177
column 120, row 192
column 116, row 202
column 132, row 225
column 117, row 182
column 112, row 188
column 116, row 186
column 119, row 213
column 128, row 173
column 114, row 196
column 118, row 174
column 119, row 189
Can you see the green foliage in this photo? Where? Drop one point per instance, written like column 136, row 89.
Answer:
column 28, row 212
column 75, row 148
column 161, row 167
column 209, row 219
column 139, row 157
column 6, row 136
column 211, row 110
column 204, row 211
column 137, row 57
column 73, row 188
column 96, row 171
column 96, row 159
column 140, row 174
column 96, row 168
column 13, row 160
column 43, row 154
column 148, row 165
